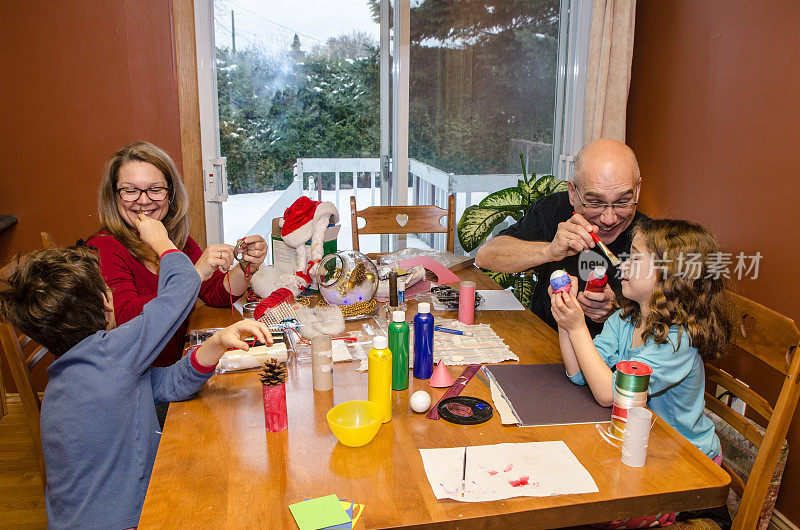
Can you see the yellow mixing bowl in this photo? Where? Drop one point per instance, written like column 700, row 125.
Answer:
column 354, row 423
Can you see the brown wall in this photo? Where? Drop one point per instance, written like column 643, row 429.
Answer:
column 714, row 117
column 80, row 79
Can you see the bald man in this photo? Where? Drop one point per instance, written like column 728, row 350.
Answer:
column 603, row 194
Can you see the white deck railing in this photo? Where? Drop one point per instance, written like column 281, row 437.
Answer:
column 429, row 185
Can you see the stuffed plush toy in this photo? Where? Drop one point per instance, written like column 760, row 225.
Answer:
column 305, row 220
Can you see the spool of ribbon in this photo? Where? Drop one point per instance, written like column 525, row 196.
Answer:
column 637, row 434
column 630, row 390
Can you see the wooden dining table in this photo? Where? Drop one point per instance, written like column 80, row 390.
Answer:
column 217, row 467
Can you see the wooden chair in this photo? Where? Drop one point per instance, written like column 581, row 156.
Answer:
column 772, row 338
column 22, row 354
column 405, row 220
column 47, row 240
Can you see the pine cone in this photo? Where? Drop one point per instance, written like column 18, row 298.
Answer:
column 273, row 373
column 359, row 274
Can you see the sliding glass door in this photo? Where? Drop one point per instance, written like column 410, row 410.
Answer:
column 302, row 92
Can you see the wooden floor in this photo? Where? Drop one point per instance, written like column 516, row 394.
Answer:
column 21, row 491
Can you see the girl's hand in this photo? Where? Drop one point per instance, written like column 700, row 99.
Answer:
column 153, row 234
column 231, row 337
column 214, row 257
column 254, row 250
column 567, row 312
column 573, row 286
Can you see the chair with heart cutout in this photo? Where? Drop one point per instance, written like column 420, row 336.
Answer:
column 405, row 220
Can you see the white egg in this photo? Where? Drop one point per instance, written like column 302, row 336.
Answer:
column 420, row 401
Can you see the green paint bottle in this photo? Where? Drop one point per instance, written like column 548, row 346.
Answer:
column 398, row 343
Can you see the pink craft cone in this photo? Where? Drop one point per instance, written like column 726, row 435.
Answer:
column 441, row 377
column 275, row 417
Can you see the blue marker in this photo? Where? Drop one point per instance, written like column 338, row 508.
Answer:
column 452, row 331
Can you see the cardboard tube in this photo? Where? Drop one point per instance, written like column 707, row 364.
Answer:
column 322, row 362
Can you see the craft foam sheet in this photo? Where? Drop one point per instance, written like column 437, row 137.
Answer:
column 485, row 346
column 502, row 471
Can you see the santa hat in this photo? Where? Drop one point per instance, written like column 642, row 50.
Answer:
column 299, row 219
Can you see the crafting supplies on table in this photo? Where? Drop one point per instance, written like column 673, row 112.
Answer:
column 484, row 346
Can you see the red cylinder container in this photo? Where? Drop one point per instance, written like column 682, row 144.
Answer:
column 275, row 416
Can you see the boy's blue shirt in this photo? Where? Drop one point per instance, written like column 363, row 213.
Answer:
column 677, row 385
column 99, row 428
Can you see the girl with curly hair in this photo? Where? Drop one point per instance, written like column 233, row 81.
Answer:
column 673, row 316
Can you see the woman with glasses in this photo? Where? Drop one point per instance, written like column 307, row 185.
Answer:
column 141, row 178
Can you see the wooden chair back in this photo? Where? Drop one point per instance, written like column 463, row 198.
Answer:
column 47, row 240
column 22, row 353
column 772, row 338
column 405, row 220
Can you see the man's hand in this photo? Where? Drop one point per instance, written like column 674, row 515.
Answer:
column 598, row 306
column 571, row 238
column 153, row 234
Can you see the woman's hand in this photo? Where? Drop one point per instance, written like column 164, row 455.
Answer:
column 254, row 250
column 153, row 234
column 232, row 337
column 219, row 256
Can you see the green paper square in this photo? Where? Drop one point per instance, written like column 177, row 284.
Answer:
column 321, row 512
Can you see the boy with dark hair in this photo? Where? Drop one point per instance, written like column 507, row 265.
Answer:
column 98, row 423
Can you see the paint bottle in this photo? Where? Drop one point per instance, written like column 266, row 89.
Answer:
column 597, row 280
column 398, row 344
column 423, row 342
column 379, row 362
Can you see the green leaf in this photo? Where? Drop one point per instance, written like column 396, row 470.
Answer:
column 503, row 279
column 509, row 198
column 523, row 289
column 477, row 223
column 542, row 185
column 522, row 161
column 527, row 191
column 556, row 185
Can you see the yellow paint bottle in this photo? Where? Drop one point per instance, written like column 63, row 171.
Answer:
column 380, row 376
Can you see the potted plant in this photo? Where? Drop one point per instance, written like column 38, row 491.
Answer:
column 480, row 220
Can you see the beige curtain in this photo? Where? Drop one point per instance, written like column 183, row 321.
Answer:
column 608, row 75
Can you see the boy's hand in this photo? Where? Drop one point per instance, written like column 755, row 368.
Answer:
column 231, row 337
column 566, row 310
column 153, row 234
